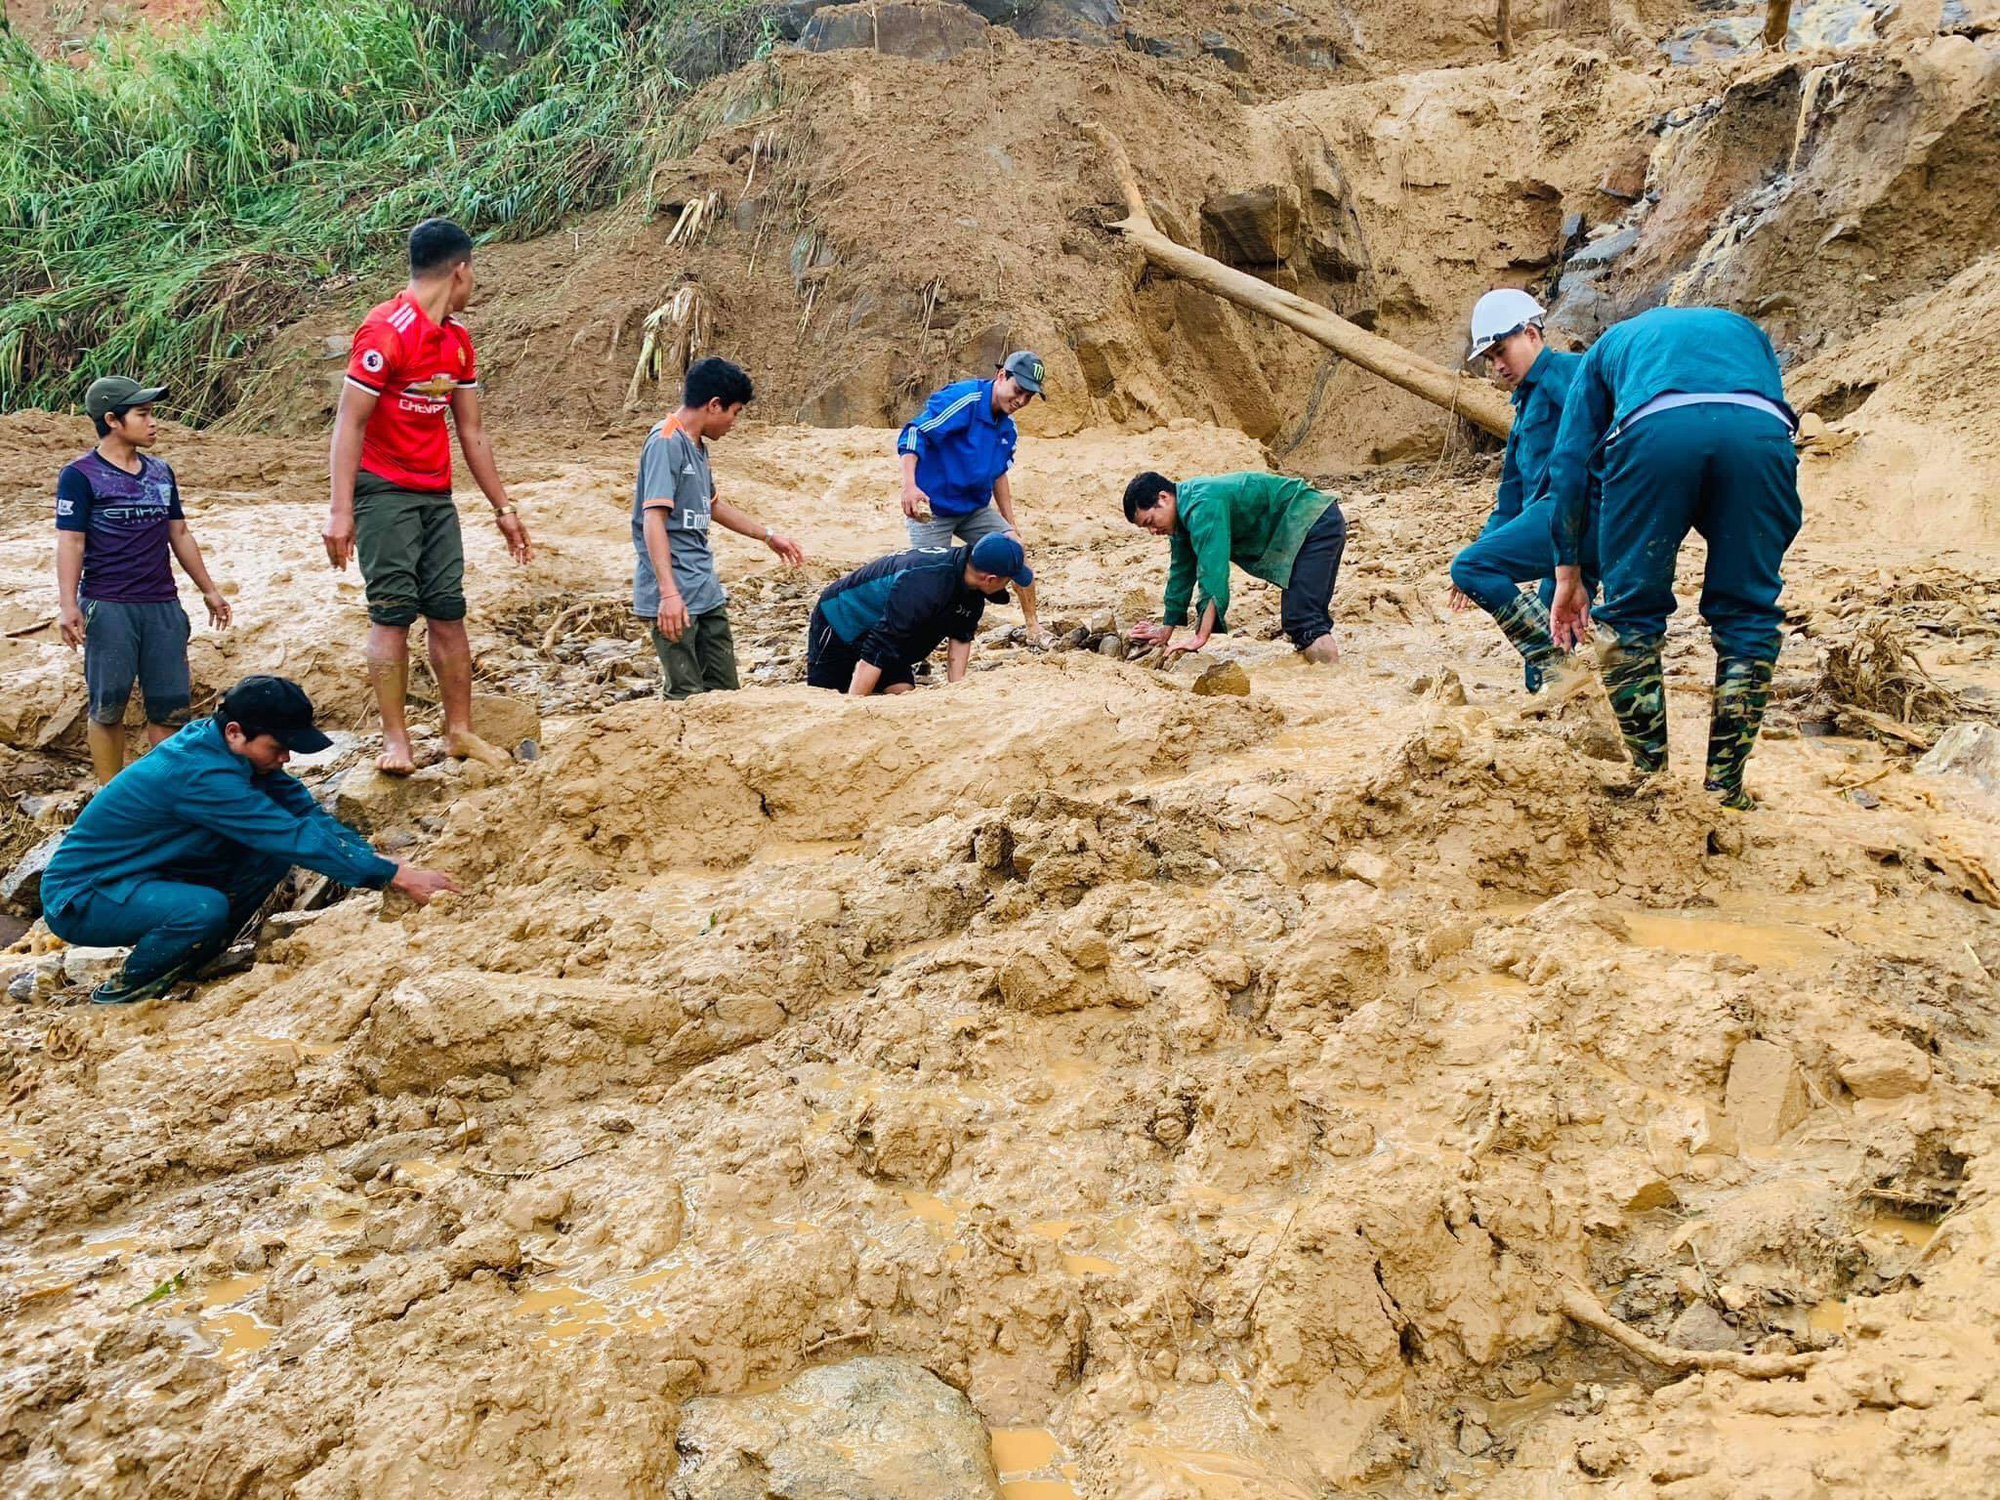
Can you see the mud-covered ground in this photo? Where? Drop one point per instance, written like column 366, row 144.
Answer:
column 1233, row 1095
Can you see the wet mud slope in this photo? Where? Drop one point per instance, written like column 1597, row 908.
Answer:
column 1228, row 1094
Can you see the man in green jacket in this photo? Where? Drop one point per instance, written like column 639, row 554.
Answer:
column 1280, row 530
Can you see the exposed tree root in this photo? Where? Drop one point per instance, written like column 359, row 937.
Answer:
column 1579, row 1306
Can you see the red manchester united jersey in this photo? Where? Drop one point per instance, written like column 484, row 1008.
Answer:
column 411, row 366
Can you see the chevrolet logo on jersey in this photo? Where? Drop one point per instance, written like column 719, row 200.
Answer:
column 438, row 387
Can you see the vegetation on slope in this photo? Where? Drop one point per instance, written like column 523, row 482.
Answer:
column 166, row 197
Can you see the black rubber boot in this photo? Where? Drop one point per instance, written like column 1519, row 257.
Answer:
column 1742, row 689
column 1637, row 688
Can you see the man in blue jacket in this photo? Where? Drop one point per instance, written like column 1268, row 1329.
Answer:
column 956, row 455
column 871, row 628
column 183, row 846
column 1685, row 410
column 1514, row 547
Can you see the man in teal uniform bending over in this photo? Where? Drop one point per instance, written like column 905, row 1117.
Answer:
column 1280, row 530
column 1684, row 408
column 1514, row 547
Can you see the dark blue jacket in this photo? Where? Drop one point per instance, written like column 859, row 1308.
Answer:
column 896, row 610
column 1669, row 349
column 962, row 447
column 1538, row 408
column 190, row 807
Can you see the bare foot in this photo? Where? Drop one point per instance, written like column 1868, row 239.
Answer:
column 1323, row 651
column 463, row 744
column 395, row 759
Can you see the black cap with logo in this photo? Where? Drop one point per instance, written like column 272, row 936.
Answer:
column 116, row 393
column 276, row 706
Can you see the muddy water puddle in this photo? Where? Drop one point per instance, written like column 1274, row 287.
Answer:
column 1757, row 940
column 1032, row 1464
column 1916, row 1233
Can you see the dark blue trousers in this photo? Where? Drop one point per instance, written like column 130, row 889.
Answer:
column 1490, row 570
column 183, row 916
column 1727, row 472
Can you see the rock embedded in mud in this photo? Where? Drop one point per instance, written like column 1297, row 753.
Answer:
column 370, row 802
column 1700, row 1326
column 1968, row 750
column 21, row 891
column 484, row 1247
column 1880, row 1067
column 92, row 965
column 1765, row 1096
column 505, row 722
column 875, row 1427
column 1368, row 867
column 1224, row 677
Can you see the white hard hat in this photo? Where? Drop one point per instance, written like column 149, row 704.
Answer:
column 1500, row 313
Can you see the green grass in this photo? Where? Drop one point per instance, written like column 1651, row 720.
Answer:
column 168, row 198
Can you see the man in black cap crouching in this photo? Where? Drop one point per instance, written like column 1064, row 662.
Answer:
column 182, row 847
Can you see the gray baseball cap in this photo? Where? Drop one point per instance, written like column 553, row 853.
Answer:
column 115, row 392
column 1026, row 367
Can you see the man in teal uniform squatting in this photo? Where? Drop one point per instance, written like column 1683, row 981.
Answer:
column 176, row 854
column 1685, row 410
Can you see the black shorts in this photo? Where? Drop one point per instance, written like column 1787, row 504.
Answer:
column 830, row 661
column 142, row 643
column 1305, row 608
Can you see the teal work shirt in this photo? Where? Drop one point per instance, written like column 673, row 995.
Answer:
column 1667, row 350
column 192, row 807
column 1538, row 408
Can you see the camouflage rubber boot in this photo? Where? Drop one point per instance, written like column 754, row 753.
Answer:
column 1637, row 689
column 1526, row 624
column 1742, row 688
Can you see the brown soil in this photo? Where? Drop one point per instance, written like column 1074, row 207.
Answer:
column 1232, row 1095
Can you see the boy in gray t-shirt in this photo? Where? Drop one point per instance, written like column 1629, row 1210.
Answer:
column 672, row 504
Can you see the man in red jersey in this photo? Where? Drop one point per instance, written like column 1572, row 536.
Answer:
column 392, row 504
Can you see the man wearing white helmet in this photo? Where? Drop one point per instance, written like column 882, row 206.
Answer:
column 1514, row 547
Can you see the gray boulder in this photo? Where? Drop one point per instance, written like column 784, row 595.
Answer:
column 21, row 890
column 897, row 28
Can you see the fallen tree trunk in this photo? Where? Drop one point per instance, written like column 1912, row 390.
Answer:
column 1475, row 400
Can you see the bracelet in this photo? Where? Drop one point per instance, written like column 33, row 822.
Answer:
column 506, row 510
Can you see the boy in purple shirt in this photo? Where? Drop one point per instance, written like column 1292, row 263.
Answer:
column 118, row 521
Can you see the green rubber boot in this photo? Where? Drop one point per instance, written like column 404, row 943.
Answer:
column 1742, row 688
column 1637, row 688
column 1526, row 625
